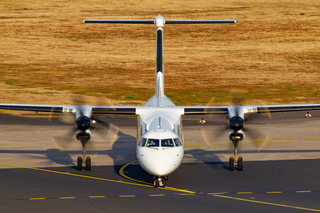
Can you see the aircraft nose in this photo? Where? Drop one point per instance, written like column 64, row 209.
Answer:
column 159, row 163
column 161, row 168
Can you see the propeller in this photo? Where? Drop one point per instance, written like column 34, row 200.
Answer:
column 216, row 127
column 235, row 125
column 86, row 126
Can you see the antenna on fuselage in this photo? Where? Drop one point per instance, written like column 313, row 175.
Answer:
column 159, row 22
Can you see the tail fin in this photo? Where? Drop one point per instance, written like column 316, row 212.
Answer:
column 160, row 22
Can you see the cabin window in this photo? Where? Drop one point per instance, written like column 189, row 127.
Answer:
column 167, row 142
column 177, row 142
column 142, row 142
column 153, row 142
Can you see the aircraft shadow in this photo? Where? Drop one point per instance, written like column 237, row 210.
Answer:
column 121, row 151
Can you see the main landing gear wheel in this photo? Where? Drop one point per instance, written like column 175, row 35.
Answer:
column 231, row 163
column 155, row 183
column 235, row 161
column 79, row 163
column 88, row 163
column 240, row 164
column 159, row 181
column 84, row 160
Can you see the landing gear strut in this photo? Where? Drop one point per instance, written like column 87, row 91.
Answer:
column 160, row 181
column 84, row 160
column 235, row 161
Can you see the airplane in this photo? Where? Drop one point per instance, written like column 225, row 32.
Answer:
column 160, row 140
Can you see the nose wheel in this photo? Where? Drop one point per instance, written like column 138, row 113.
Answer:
column 84, row 160
column 159, row 181
column 235, row 161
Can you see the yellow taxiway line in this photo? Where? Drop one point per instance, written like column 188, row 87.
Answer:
column 266, row 203
column 97, row 178
column 149, row 184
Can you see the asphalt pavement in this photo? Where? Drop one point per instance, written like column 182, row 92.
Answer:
column 38, row 174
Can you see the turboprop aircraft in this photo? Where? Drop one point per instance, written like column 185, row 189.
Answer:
column 160, row 137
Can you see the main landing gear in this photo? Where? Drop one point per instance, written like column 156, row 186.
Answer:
column 84, row 160
column 235, row 161
column 160, row 181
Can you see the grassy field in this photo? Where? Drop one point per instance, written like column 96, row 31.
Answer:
column 272, row 52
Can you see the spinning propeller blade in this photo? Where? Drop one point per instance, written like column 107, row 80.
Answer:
column 236, row 121
column 84, row 121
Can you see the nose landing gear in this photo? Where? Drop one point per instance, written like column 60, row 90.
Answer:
column 160, row 181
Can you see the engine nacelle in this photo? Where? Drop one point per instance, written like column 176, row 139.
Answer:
column 236, row 135
column 83, row 135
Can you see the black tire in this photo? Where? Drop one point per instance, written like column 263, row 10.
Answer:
column 231, row 163
column 88, row 163
column 240, row 164
column 163, row 181
column 79, row 164
column 156, row 182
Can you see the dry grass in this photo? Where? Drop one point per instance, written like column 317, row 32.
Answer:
column 272, row 51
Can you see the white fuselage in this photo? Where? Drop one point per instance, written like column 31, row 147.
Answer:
column 160, row 140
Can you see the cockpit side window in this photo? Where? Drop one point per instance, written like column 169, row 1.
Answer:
column 153, row 142
column 177, row 142
column 167, row 143
column 142, row 142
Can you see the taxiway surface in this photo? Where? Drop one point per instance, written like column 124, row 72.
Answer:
column 38, row 169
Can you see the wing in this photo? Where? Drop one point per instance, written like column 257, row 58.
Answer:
column 188, row 110
column 250, row 109
column 130, row 110
column 283, row 108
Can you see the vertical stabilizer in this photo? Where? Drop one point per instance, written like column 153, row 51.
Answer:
column 159, row 88
column 159, row 22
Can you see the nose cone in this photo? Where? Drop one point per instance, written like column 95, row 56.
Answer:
column 160, row 168
column 236, row 123
column 83, row 123
column 160, row 162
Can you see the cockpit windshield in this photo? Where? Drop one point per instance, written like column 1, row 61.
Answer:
column 177, row 142
column 153, row 142
column 142, row 142
column 167, row 143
